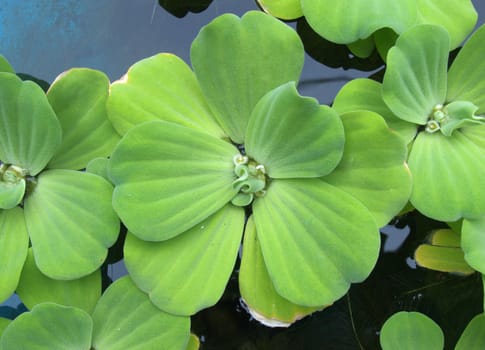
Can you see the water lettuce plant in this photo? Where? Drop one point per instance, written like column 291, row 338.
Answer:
column 202, row 149
column 439, row 113
column 65, row 214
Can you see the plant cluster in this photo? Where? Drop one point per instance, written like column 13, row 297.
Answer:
column 223, row 163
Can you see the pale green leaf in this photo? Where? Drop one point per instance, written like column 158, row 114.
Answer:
column 284, row 9
column 415, row 78
column 99, row 166
column 238, row 60
column 473, row 243
column 384, row 39
column 29, row 130
column 257, row 290
column 366, row 94
column 161, row 87
column 4, row 322
column 169, row 177
column 373, row 168
column 362, row 48
column 294, row 136
column 78, row 97
column 411, row 331
column 71, row 223
column 35, row 288
column 49, row 327
column 466, row 78
column 192, row 269
column 14, row 243
column 316, row 240
column 473, row 337
column 457, row 17
column 125, row 318
column 194, row 343
column 346, row 21
column 442, row 167
column 11, row 193
column 5, row 66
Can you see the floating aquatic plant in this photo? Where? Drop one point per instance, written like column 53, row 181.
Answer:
column 202, row 149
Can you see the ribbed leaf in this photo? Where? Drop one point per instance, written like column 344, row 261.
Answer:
column 346, row 21
column 14, row 243
column 294, row 136
column 466, row 78
column 168, row 178
column 11, row 193
column 4, row 322
column 411, row 330
column 415, row 78
column 373, row 168
column 284, row 9
column 473, row 337
column 29, row 130
column 35, row 288
column 191, row 269
column 316, row 240
column 442, row 167
column 161, row 87
column 99, row 166
column 78, row 97
column 257, row 290
column 125, row 318
column 473, row 243
column 71, row 223
column 237, row 61
column 49, row 327
column 366, row 94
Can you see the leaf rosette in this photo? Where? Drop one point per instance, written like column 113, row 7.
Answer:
column 44, row 140
column 204, row 148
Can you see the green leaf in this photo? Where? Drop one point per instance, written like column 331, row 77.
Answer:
column 459, row 114
column 443, row 253
column 168, row 178
column 473, row 337
column 237, row 61
column 11, row 193
column 5, row 65
column 78, row 97
column 161, row 87
column 316, row 240
column 362, row 48
column 466, row 78
column 373, row 168
column 71, row 223
column 49, row 327
column 411, row 331
column 473, row 243
column 29, row 130
column 194, row 343
column 366, row 94
column 384, row 39
column 294, row 136
column 415, row 78
column 284, row 9
column 346, row 21
column 257, row 290
column 442, row 166
column 99, row 166
column 191, row 269
column 35, row 288
column 457, row 17
column 125, row 318
column 4, row 322
column 14, row 243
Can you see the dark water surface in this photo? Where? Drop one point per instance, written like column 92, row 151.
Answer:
column 44, row 37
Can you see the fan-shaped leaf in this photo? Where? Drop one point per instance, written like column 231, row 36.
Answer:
column 257, row 290
column 5, row 65
column 473, row 337
column 411, row 331
column 35, row 288
column 169, row 178
column 11, row 193
column 316, row 240
column 284, row 9
column 78, row 97
column 14, row 243
column 125, row 318
column 189, row 272
column 29, row 130
column 71, row 223
column 237, row 61
column 415, row 78
column 49, row 327
column 473, row 243
column 294, row 136
column 161, row 87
